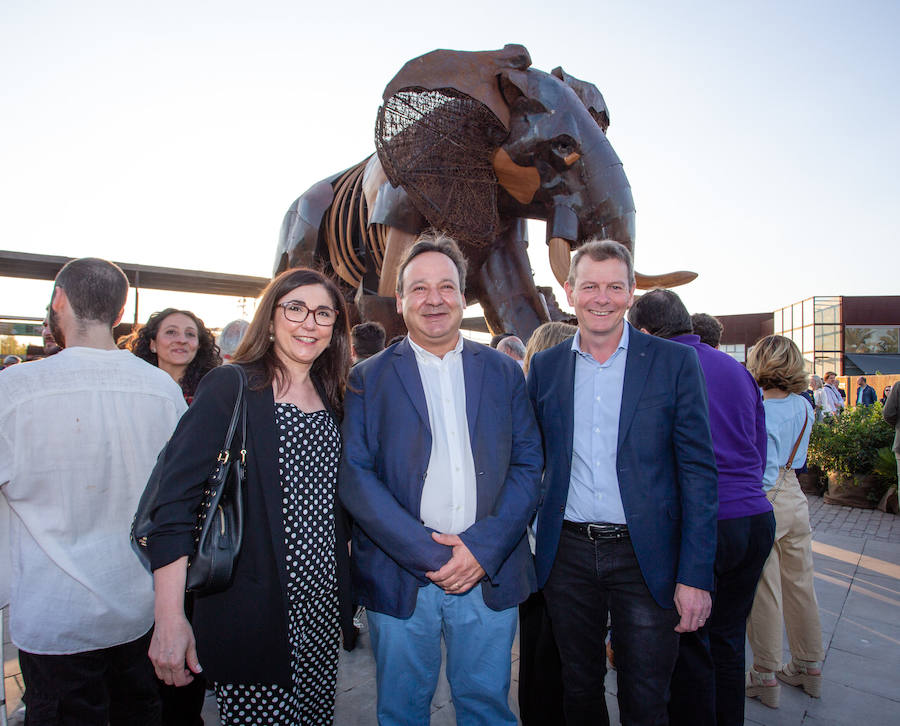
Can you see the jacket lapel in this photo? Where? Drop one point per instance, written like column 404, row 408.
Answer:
column 637, row 367
column 473, row 374
column 408, row 373
column 565, row 385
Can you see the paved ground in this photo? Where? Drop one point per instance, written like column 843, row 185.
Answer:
column 857, row 558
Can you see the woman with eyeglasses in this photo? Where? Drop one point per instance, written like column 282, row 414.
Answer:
column 270, row 641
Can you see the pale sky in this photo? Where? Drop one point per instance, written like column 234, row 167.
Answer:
column 760, row 138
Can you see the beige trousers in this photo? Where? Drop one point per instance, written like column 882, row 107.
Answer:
column 786, row 584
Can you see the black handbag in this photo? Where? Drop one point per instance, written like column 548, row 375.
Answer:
column 220, row 518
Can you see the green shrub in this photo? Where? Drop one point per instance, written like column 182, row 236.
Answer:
column 849, row 442
column 886, row 464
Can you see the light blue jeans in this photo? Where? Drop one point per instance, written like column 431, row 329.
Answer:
column 408, row 659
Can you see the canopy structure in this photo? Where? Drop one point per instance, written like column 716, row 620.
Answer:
column 871, row 363
column 44, row 267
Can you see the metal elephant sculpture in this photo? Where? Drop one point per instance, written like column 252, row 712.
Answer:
column 472, row 143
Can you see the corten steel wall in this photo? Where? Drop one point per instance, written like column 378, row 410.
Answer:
column 746, row 328
column 872, row 310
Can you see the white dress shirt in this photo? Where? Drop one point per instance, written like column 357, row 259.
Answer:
column 449, row 495
column 834, row 395
column 79, row 434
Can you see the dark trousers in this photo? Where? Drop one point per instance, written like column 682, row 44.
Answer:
column 593, row 580
column 708, row 683
column 114, row 686
column 540, row 674
column 183, row 705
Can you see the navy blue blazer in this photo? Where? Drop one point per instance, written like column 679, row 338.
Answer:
column 387, row 446
column 665, row 461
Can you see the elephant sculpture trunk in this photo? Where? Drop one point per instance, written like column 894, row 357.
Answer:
column 472, row 143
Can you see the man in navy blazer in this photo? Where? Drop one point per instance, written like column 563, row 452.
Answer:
column 627, row 526
column 441, row 473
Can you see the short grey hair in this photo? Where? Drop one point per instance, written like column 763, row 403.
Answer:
column 512, row 344
column 599, row 250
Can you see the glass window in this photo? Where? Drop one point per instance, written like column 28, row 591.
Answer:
column 808, row 339
column 828, row 309
column 828, row 338
column 808, row 316
column 872, row 339
column 829, row 363
column 738, row 351
column 797, row 312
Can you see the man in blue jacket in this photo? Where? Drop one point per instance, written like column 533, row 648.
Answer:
column 441, row 473
column 627, row 526
column 865, row 394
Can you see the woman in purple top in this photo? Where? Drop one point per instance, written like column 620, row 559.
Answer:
column 746, row 525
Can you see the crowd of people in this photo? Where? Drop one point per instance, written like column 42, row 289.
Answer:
column 634, row 483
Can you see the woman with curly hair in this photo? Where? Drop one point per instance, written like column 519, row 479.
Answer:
column 178, row 342
column 785, row 590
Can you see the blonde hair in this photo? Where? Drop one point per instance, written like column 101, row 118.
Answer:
column 546, row 336
column 775, row 362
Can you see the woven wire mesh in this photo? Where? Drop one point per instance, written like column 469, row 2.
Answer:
column 438, row 145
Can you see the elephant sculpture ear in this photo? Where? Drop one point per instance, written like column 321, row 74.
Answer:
column 589, row 95
column 472, row 73
column 442, row 119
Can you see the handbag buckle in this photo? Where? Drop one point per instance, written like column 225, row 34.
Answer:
column 224, row 456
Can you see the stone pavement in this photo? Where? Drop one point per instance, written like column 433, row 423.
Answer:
column 857, row 560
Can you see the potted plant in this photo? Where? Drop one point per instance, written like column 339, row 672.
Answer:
column 846, row 448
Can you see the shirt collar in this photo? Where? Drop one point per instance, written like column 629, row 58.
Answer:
column 623, row 342
column 424, row 356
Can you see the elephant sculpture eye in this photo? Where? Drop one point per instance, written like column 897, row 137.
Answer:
column 563, row 146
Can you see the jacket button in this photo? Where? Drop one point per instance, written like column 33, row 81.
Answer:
column 562, row 510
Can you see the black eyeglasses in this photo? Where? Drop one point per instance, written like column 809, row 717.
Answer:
column 296, row 311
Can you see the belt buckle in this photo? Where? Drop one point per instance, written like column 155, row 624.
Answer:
column 603, row 531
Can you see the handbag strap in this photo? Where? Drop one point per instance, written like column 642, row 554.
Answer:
column 797, row 442
column 240, row 405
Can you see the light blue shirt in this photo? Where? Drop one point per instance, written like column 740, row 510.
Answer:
column 594, row 484
column 784, row 422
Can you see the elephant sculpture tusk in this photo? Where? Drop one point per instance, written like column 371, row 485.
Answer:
column 668, row 279
column 560, row 257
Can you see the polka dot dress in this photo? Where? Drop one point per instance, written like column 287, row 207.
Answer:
column 309, row 449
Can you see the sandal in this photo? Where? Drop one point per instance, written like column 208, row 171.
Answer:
column 763, row 686
column 796, row 673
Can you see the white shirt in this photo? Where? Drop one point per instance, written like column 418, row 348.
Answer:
column 823, row 402
column 449, row 495
column 79, row 434
column 834, row 395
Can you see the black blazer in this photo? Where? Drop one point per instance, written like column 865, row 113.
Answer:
column 242, row 632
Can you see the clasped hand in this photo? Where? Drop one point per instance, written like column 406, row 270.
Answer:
column 461, row 572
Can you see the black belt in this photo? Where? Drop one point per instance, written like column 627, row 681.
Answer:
column 597, row 530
